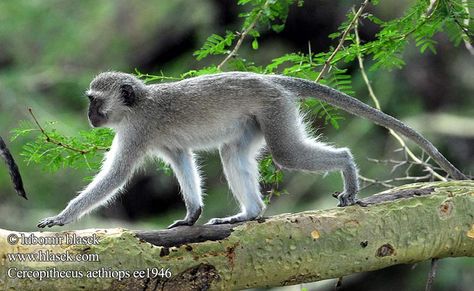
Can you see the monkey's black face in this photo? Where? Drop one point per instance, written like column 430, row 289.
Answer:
column 96, row 117
column 112, row 96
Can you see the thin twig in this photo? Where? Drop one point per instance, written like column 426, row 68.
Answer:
column 374, row 181
column 377, row 105
column 466, row 33
column 398, row 163
column 61, row 144
column 327, row 63
column 422, row 22
column 243, row 35
column 152, row 78
column 431, row 274
column 431, row 8
column 387, row 183
column 466, row 38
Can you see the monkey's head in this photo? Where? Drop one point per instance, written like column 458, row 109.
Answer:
column 112, row 96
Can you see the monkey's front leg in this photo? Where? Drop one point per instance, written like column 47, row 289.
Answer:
column 184, row 167
column 118, row 166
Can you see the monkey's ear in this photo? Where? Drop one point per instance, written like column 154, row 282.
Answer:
column 127, row 93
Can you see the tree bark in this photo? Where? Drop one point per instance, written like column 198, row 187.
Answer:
column 409, row 224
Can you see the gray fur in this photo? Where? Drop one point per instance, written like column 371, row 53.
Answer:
column 235, row 112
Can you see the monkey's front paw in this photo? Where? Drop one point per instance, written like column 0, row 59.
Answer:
column 191, row 217
column 51, row 221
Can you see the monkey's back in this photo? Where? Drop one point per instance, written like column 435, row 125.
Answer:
column 203, row 111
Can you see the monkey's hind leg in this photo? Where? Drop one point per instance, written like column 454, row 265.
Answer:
column 241, row 170
column 186, row 171
column 292, row 149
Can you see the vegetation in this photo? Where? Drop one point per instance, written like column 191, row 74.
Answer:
column 410, row 58
column 419, row 24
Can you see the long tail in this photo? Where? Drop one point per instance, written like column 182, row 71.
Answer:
column 12, row 168
column 306, row 88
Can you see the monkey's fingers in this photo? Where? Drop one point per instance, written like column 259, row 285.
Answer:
column 49, row 222
column 42, row 223
column 180, row 222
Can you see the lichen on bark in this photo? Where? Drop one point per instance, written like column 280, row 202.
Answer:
column 436, row 222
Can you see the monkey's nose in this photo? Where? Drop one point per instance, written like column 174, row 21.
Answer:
column 94, row 120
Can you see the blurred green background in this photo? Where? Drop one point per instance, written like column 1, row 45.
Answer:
column 50, row 50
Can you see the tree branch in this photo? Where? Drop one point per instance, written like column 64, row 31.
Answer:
column 243, row 35
column 409, row 224
column 466, row 38
column 327, row 63
column 377, row 105
column 61, row 144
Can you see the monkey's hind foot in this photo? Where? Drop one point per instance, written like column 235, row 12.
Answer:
column 190, row 219
column 346, row 199
column 51, row 221
column 241, row 217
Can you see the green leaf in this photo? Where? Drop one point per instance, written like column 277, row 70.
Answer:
column 215, row 45
column 255, row 44
column 278, row 27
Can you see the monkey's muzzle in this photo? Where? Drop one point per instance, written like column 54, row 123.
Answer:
column 97, row 119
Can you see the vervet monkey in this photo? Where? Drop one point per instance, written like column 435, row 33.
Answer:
column 12, row 169
column 235, row 112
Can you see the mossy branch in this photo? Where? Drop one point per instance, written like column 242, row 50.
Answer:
column 435, row 222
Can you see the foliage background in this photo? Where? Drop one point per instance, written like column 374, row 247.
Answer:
column 50, row 50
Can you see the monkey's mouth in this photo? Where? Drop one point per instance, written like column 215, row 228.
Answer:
column 97, row 119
